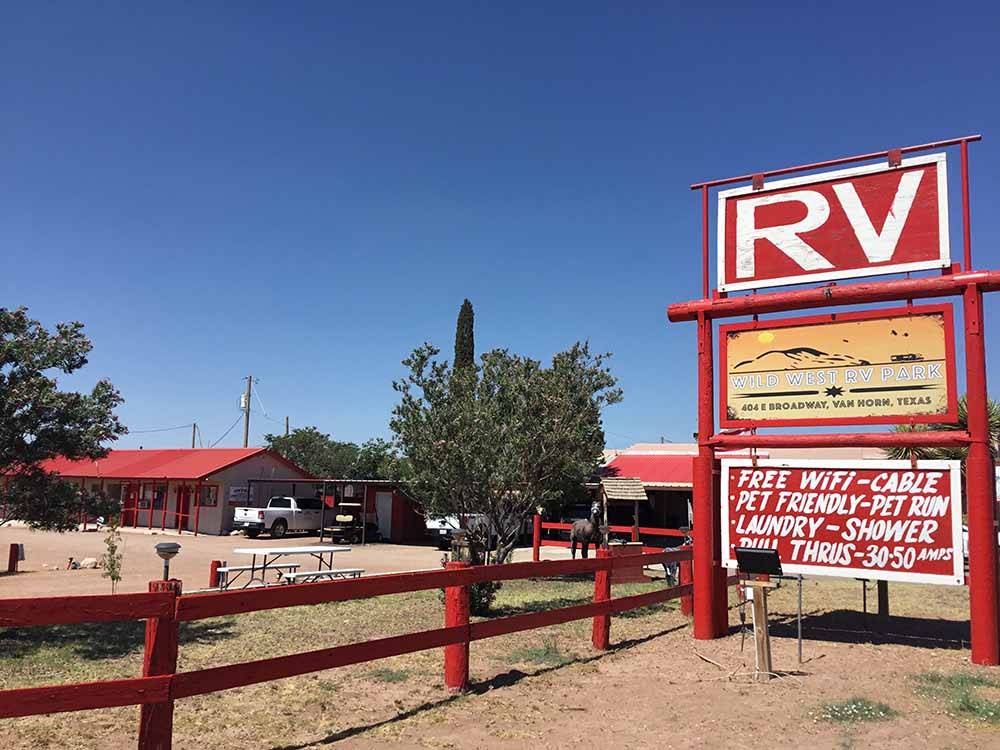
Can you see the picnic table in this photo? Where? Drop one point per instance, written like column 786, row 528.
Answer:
column 274, row 559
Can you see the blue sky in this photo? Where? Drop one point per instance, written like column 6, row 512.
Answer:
column 307, row 191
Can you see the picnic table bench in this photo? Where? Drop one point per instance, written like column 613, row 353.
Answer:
column 308, row 576
column 224, row 571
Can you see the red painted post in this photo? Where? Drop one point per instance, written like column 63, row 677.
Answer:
column 710, row 612
column 156, row 720
column 456, row 613
column 601, row 631
column 536, row 537
column 966, row 217
column 984, row 603
column 213, row 574
column 684, row 577
column 12, row 559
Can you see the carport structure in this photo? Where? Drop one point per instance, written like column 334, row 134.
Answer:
column 383, row 501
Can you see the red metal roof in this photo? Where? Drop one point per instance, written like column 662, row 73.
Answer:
column 663, row 469
column 173, row 463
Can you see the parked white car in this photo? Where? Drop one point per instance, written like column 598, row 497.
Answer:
column 282, row 514
column 965, row 539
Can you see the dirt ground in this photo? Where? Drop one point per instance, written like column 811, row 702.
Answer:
column 46, row 554
column 656, row 687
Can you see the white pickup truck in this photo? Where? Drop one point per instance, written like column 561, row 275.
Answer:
column 282, row 514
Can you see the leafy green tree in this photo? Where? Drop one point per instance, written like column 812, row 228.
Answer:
column 315, row 451
column 959, row 454
column 38, row 422
column 501, row 438
column 465, row 337
column 378, row 459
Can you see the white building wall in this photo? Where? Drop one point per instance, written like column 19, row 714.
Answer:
column 211, row 519
column 262, row 466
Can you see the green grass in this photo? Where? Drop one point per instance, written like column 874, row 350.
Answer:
column 387, row 674
column 960, row 693
column 854, row 710
column 548, row 654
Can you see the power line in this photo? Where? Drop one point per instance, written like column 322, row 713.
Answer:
column 160, row 429
column 227, row 431
column 269, row 418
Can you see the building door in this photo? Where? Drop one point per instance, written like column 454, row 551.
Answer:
column 183, row 506
column 383, row 509
column 130, row 498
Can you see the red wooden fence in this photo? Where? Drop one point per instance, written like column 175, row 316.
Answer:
column 539, row 526
column 164, row 607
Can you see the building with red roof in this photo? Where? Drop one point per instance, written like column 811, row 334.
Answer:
column 190, row 489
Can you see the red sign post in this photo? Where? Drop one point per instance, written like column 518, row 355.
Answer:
column 829, row 239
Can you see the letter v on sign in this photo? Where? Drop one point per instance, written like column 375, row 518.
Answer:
column 850, row 223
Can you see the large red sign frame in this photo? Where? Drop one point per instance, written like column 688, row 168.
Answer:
column 889, row 520
column 864, row 221
column 711, row 616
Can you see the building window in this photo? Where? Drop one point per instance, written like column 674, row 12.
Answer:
column 209, row 496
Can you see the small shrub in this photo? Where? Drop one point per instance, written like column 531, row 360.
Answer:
column 481, row 597
column 958, row 691
column 114, row 555
column 853, row 710
column 387, row 674
column 547, row 653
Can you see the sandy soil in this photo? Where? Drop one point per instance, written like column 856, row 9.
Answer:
column 46, row 554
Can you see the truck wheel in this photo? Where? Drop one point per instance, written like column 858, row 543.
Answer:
column 278, row 529
column 253, row 533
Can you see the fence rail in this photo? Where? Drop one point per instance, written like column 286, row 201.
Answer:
column 539, row 526
column 164, row 608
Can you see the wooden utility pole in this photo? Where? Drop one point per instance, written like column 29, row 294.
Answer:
column 246, row 413
column 286, row 426
column 194, row 429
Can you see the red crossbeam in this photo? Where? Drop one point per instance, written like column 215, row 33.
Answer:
column 937, row 438
column 826, row 296
column 87, row 695
column 235, row 675
column 200, row 606
column 67, row 610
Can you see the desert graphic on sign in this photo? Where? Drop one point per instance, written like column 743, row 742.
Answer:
column 887, row 366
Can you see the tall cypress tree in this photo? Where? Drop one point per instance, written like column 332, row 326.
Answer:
column 465, row 339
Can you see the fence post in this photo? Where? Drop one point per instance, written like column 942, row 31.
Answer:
column 12, row 558
column 213, row 573
column 684, row 577
column 601, row 632
column 456, row 613
column 536, row 537
column 156, row 720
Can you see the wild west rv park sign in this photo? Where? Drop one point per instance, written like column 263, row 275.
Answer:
column 824, row 223
column 883, row 366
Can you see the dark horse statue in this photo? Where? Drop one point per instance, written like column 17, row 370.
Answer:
column 585, row 531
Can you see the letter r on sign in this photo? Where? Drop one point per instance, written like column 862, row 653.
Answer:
column 784, row 236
